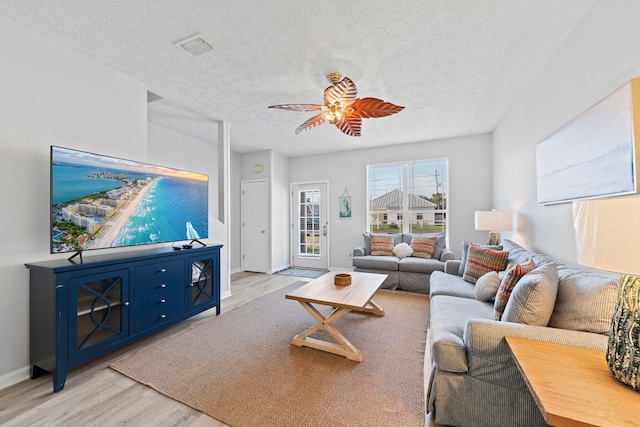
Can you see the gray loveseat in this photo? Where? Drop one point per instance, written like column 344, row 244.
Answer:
column 410, row 273
column 474, row 381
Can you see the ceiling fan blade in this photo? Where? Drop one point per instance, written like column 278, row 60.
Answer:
column 374, row 107
column 350, row 125
column 298, row 107
column 311, row 123
column 344, row 91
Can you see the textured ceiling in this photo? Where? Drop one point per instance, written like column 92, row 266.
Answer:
column 456, row 66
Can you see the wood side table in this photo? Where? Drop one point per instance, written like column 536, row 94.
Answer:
column 573, row 386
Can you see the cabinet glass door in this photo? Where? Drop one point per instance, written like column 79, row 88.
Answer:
column 203, row 275
column 101, row 306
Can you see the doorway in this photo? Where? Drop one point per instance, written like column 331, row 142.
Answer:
column 254, row 229
column 309, row 213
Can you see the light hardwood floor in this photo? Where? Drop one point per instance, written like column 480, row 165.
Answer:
column 95, row 395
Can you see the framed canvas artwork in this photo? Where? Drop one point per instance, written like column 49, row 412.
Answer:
column 595, row 154
column 345, row 206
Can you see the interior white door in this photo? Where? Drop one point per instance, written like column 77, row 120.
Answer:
column 310, row 235
column 255, row 233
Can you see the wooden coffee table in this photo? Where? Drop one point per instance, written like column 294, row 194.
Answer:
column 354, row 297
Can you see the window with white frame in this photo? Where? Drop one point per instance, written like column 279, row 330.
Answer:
column 407, row 197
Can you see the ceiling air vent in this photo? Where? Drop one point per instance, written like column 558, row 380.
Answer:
column 196, row 45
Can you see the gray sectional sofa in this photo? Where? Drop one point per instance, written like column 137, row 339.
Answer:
column 410, row 273
column 473, row 380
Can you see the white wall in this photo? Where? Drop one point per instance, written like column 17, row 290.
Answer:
column 235, row 170
column 598, row 56
column 280, row 200
column 49, row 94
column 170, row 148
column 470, row 164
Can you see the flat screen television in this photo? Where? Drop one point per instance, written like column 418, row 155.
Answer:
column 102, row 202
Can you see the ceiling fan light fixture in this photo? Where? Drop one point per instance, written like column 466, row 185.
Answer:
column 342, row 108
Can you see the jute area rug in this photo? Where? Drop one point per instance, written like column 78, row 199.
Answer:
column 241, row 369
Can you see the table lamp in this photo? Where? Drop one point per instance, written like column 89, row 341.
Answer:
column 494, row 221
column 608, row 238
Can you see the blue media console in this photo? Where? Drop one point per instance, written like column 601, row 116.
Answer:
column 82, row 311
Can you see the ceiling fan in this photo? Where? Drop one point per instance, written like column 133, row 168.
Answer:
column 342, row 108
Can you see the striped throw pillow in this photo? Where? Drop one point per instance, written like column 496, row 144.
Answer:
column 423, row 246
column 507, row 284
column 480, row 261
column 382, row 244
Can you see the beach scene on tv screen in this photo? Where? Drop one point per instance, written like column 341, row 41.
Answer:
column 102, row 202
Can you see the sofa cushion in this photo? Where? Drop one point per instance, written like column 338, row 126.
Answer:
column 448, row 284
column 465, row 251
column 423, row 245
column 585, row 300
column 441, row 242
column 402, row 250
column 507, row 284
column 533, row 297
column 447, row 329
column 366, row 237
column 483, row 260
column 382, row 244
column 388, row 263
column 487, row 286
column 420, row 265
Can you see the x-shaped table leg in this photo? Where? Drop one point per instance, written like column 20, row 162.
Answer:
column 344, row 347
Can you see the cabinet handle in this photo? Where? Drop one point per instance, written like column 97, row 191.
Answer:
column 191, row 285
column 126, row 303
column 162, row 285
column 163, row 270
column 162, row 316
column 163, row 301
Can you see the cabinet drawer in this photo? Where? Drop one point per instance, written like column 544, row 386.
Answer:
column 158, row 270
column 158, row 287
column 155, row 318
column 157, row 302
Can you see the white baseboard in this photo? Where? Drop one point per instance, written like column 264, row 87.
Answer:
column 12, row 378
column 226, row 294
column 237, row 270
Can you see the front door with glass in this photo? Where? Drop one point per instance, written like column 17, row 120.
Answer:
column 310, row 226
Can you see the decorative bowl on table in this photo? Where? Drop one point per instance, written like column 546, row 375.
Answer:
column 342, row 279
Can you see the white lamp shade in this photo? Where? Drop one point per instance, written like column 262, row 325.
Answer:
column 494, row 220
column 608, row 234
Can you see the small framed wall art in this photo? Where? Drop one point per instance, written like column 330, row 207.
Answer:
column 345, row 205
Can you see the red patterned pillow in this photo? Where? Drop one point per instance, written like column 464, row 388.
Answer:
column 481, row 260
column 509, row 281
column 382, row 244
column 423, row 246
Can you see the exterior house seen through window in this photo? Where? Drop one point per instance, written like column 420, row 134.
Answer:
column 408, row 197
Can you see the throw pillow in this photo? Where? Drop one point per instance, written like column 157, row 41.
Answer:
column 487, row 286
column 483, row 260
column 465, row 251
column 506, row 286
column 423, row 246
column 441, row 243
column 382, row 244
column 533, row 297
column 402, row 250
